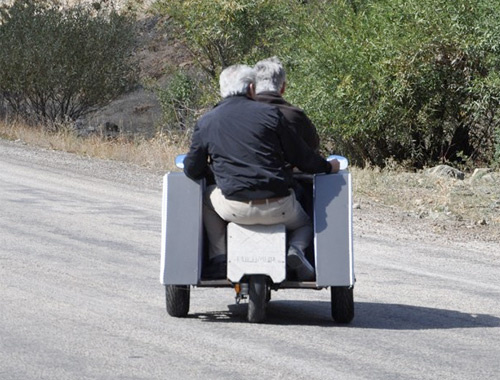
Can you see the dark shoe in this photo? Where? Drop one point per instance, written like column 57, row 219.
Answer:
column 297, row 261
column 216, row 269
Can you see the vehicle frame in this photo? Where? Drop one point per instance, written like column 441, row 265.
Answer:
column 184, row 251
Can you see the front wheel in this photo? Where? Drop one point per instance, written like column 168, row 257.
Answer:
column 257, row 294
column 177, row 298
column 342, row 304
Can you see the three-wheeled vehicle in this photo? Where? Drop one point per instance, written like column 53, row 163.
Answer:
column 256, row 258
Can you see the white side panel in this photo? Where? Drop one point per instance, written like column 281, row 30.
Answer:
column 182, row 231
column 163, row 228
column 333, row 229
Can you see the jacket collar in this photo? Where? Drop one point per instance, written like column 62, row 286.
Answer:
column 233, row 98
column 272, row 97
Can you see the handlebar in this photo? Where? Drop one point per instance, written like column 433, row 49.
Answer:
column 344, row 163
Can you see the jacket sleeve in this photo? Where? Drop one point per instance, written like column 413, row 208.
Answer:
column 303, row 126
column 312, row 138
column 299, row 154
column 196, row 161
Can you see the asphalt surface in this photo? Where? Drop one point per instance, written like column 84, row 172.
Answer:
column 81, row 298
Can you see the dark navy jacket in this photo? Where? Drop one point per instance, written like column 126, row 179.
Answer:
column 247, row 145
column 295, row 117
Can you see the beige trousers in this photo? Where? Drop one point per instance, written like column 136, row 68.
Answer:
column 218, row 211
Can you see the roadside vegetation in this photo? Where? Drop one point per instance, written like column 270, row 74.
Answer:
column 415, row 81
column 411, row 81
column 396, row 86
column 58, row 63
column 157, row 154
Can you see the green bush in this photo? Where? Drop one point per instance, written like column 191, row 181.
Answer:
column 179, row 101
column 220, row 33
column 497, row 148
column 413, row 81
column 57, row 63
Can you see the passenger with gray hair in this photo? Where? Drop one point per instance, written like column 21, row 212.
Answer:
column 270, row 86
column 247, row 145
column 236, row 80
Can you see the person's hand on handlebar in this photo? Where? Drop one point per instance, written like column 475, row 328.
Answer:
column 335, row 165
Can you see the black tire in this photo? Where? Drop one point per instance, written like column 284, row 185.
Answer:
column 257, row 293
column 268, row 294
column 177, row 297
column 342, row 304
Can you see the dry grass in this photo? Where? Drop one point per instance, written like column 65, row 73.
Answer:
column 157, row 153
column 473, row 202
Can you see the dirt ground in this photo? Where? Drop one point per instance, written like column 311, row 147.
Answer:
column 428, row 205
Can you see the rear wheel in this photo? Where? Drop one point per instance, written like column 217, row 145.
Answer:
column 268, row 294
column 177, row 298
column 257, row 294
column 342, row 304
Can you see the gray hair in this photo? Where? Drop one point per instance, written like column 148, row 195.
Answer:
column 270, row 75
column 234, row 80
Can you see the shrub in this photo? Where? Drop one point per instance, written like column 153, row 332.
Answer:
column 496, row 160
column 220, row 33
column 56, row 63
column 412, row 80
column 179, row 101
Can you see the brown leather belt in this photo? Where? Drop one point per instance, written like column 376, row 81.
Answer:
column 263, row 201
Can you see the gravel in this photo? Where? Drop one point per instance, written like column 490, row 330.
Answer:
column 116, row 171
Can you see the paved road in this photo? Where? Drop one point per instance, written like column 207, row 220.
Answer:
column 80, row 295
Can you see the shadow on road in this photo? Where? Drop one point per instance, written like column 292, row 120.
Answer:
column 367, row 315
column 408, row 317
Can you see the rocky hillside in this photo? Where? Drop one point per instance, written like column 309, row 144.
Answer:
column 139, row 112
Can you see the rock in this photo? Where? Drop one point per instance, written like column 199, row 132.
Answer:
column 483, row 174
column 135, row 113
column 418, row 202
column 446, row 171
column 108, row 130
column 479, row 172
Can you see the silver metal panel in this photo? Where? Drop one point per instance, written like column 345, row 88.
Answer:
column 182, row 231
column 333, row 229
